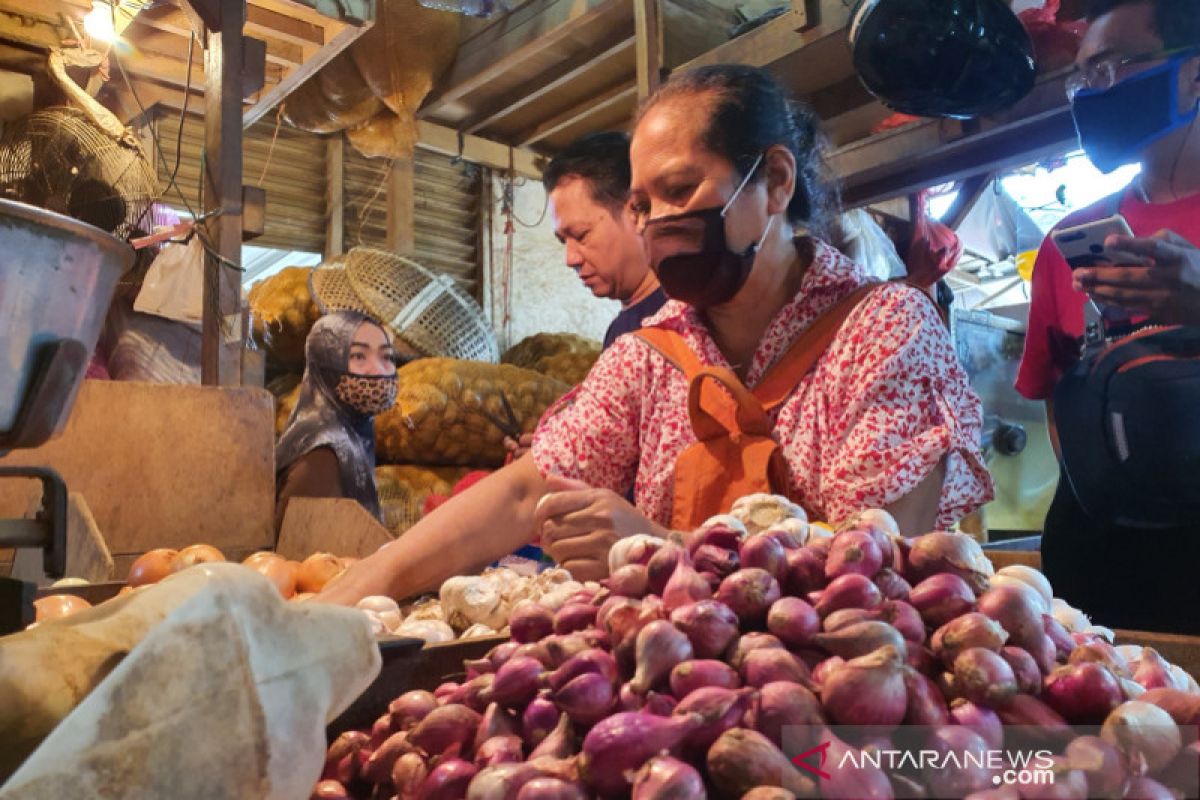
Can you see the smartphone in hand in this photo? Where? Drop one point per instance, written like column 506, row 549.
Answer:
column 1083, row 245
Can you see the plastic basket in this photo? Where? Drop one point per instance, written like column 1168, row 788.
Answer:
column 426, row 310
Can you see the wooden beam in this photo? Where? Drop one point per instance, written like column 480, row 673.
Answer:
column 478, row 150
column 647, row 24
column 969, row 193
column 261, row 22
column 273, row 97
column 26, row 31
column 565, row 74
column 401, row 207
column 223, row 328
column 335, row 195
column 621, row 93
column 538, row 24
column 172, row 31
column 321, row 12
column 53, row 13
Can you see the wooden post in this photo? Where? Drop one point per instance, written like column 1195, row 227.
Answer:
column 401, row 208
column 335, row 196
column 220, row 355
column 648, row 29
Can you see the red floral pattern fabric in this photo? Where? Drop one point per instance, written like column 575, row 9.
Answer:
column 886, row 402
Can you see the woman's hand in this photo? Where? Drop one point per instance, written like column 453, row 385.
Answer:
column 579, row 524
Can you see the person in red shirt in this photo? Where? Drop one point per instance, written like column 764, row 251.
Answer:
column 1134, row 96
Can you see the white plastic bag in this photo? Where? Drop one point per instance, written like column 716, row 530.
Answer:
column 860, row 238
column 174, row 284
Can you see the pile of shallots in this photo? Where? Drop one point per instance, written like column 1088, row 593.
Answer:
column 676, row 679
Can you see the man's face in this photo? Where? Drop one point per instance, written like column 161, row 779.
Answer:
column 1129, row 30
column 602, row 245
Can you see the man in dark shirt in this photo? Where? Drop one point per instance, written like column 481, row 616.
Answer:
column 588, row 184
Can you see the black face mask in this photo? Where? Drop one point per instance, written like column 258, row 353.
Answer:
column 1117, row 124
column 704, row 272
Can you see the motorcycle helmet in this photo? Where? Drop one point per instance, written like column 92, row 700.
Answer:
column 942, row 58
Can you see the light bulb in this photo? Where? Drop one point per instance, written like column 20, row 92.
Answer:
column 99, row 22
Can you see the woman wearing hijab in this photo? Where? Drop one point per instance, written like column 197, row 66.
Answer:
column 848, row 394
column 328, row 447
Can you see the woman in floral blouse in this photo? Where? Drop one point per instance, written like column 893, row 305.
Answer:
column 733, row 195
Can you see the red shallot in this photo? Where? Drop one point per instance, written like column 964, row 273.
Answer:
column 662, row 564
column 689, row 676
column 973, row 774
column 769, row 664
column 408, row 773
column 621, row 744
column 984, row 677
column 719, row 709
column 805, row 572
column 517, row 682
column 1083, row 693
column 961, row 633
column 667, row 778
column 685, row 586
column 783, row 703
column 940, row 598
column 558, row 744
column 901, row 616
column 892, row 585
column 848, row 591
column 660, row 646
column 983, row 721
column 844, row 618
column 947, row 552
column 498, row 750
column 1031, row 713
column 594, row 660
column 444, row 728
column 496, row 722
column 868, row 690
column 924, row 702
column 1025, row 669
column 629, row 581
column 530, row 622
column 410, row 708
column 574, row 617
column 447, row 781
column 709, row 625
column 741, row 760
column 586, row 698
column 747, row 642
column 765, row 553
column 794, row 621
column 540, row 718
column 501, row 782
column 545, row 788
column 717, row 560
column 749, row 593
column 854, row 551
column 860, row 638
column 1101, row 764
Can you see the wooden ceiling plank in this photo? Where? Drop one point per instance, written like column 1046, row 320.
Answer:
column 479, row 150
column 33, row 33
column 279, row 52
column 53, row 13
column 261, row 22
column 498, row 48
column 565, row 74
column 268, row 99
column 618, row 94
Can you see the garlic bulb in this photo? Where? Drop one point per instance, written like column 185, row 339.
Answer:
column 468, row 600
column 760, row 511
column 377, row 627
column 872, row 516
column 1100, row 630
column 378, row 603
column 1071, row 618
column 391, row 619
column 729, row 521
column 429, row 608
column 477, row 630
column 621, row 552
column 798, row 528
column 557, row 597
column 427, row 629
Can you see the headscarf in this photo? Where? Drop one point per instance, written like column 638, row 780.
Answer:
column 320, row 419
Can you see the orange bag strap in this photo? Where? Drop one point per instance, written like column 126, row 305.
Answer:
column 781, row 379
